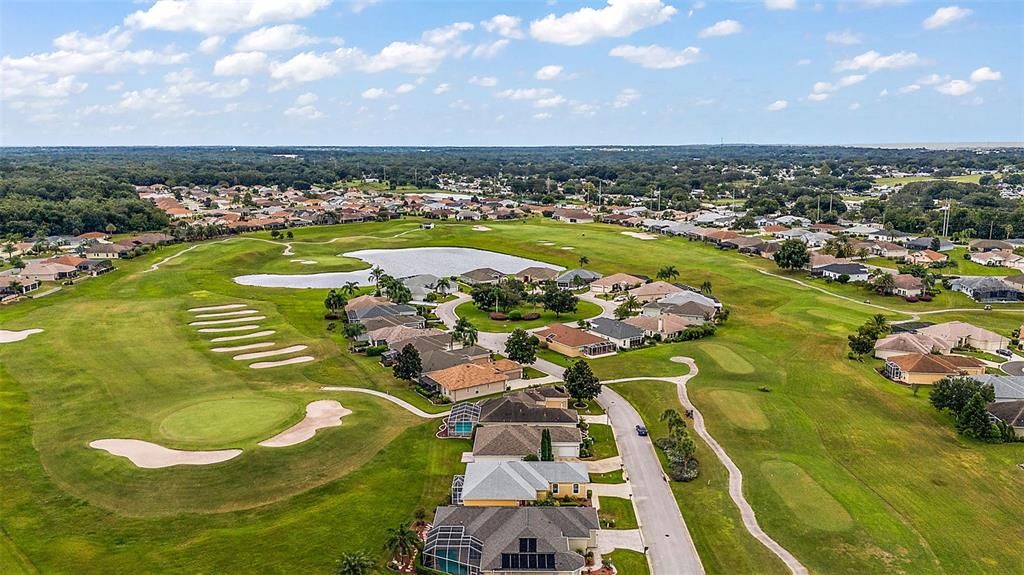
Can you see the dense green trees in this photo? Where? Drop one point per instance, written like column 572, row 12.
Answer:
column 408, row 364
column 521, row 346
column 580, row 382
column 792, row 255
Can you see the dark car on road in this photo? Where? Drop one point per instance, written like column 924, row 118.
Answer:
column 641, row 431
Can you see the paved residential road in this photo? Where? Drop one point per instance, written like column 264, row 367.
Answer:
column 670, row 548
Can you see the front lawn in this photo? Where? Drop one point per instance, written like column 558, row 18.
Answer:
column 616, row 513
column 649, row 361
column 604, row 441
column 629, row 562
column 482, row 321
column 610, row 477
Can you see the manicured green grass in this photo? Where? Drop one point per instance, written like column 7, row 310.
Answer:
column 610, row 477
column 534, row 373
column 223, row 421
column 983, row 355
column 593, row 408
column 482, row 321
column 654, row 360
column 116, row 358
column 960, row 267
column 723, row 544
column 629, row 562
column 617, row 513
column 604, row 441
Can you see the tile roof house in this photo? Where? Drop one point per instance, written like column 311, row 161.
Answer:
column 987, row 289
column 926, row 368
column 536, row 274
column 963, row 334
column 655, row 290
column 514, row 483
column 572, row 216
column 615, row 282
column 500, row 540
column 666, row 325
column 926, row 257
column 468, row 380
column 482, row 276
column 620, row 333
column 572, row 342
column 1009, row 412
column 576, row 278
column 107, row 251
column 514, row 442
column 48, row 272
column 907, row 285
column 520, row 408
column 908, row 342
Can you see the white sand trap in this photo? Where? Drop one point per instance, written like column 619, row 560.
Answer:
column 319, row 414
column 481, row 229
column 153, row 456
column 546, row 243
column 7, row 336
column 217, row 307
column 567, row 248
column 244, row 347
column 303, row 262
column 271, row 353
column 233, row 320
column 290, row 361
column 640, row 235
column 227, row 313
column 246, row 336
column 223, row 329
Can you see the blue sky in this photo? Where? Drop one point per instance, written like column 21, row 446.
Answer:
column 400, row 72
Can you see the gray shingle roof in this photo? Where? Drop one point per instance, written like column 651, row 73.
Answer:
column 614, row 328
column 519, row 440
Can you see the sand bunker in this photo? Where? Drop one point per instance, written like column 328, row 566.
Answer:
column 640, row 235
column 481, row 229
column 153, row 456
column 243, row 347
column 223, row 329
column 546, row 243
column 271, row 353
column 217, row 307
column 303, row 262
column 290, row 361
column 319, row 414
column 246, row 336
column 567, row 248
column 227, row 313
column 234, row 320
column 13, row 336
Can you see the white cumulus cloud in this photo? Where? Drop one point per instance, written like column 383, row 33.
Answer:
column 985, row 74
column 504, row 25
column 240, row 64
column 777, row 106
column 618, row 19
column 549, row 72
column 844, row 38
column 656, row 57
column 442, row 88
column 405, row 88
column 485, row 81
column 780, row 4
column 955, row 88
column 626, row 97
column 211, row 44
column 218, row 17
column 872, row 61
column 275, row 38
column 721, row 28
column 375, row 93
column 945, row 16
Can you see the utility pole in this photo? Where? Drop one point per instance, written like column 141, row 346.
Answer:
column 819, row 208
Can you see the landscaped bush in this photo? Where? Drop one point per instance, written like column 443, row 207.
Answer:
column 515, row 315
column 531, row 316
column 911, row 299
column 925, row 297
column 331, row 316
column 376, row 350
column 497, row 316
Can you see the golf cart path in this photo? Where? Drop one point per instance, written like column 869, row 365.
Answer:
column 399, row 402
column 735, row 475
column 157, row 265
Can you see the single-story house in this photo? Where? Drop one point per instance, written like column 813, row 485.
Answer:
column 907, row 285
column 926, row 257
column 666, row 325
column 516, row 483
column 422, row 285
column 989, row 245
column 536, row 274
column 576, row 278
column 546, row 396
column 910, row 342
column 998, row 258
column 856, row 272
column 615, row 282
column 499, row 540
column 510, row 442
column 963, row 334
column 395, row 333
column 522, row 408
column 925, row 243
column 618, row 332
column 1009, row 412
column 469, row 380
column 885, row 249
column 415, row 321
column 1007, row 387
column 48, row 272
column 987, row 289
column 11, row 285
column 572, row 342
column 926, row 368
column 655, row 290
column 573, row 216
column 482, row 276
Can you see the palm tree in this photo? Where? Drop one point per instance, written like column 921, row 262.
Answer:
column 631, row 303
column 376, row 274
column 9, row 249
column 584, row 260
column 667, row 273
column 401, row 541
column 879, row 324
column 672, row 418
column 705, row 288
column 470, row 335
column 350, row 288
column 356, row 563
column 884, row 283
column 442, row 285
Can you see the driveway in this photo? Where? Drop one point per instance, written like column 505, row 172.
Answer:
column 1013, row 367
column 446, row 311
column 670, row 547
column 607, row 307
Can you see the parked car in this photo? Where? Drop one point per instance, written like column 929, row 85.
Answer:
column 641, row 431
column 1004, row 352
column 620, row 298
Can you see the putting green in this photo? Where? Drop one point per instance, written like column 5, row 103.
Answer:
column 726, row 358
column 223, row 421
column 807, row 499
column 740, row 409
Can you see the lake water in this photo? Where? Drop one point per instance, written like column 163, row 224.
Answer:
column 441, row 262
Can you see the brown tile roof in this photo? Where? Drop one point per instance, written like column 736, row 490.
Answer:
column 619, row 278
column 655, row 288
column 928, row 363
column 466, row 376
column 569, row 336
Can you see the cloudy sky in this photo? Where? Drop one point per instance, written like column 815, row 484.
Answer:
column 436, row 72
